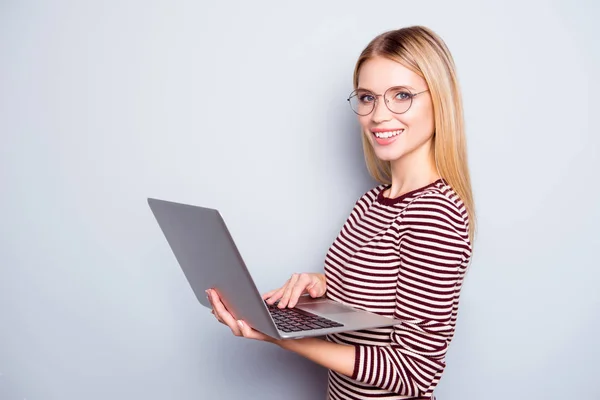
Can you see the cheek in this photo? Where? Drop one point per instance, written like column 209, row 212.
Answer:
column 428, row 120
column 423, row 129
column 365, row 126
column 421, row 124
column 364, row 122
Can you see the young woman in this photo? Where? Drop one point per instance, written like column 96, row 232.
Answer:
column 406, row 246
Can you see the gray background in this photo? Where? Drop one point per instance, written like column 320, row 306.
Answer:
column 241, row 106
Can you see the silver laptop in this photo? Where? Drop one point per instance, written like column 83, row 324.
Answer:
column 209, row 258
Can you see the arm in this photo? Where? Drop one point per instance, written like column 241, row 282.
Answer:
column 434, row 252
column 337, row 357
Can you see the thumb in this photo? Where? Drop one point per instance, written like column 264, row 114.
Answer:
column 313, row 290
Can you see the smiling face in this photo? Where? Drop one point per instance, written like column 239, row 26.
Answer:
column 395, row 137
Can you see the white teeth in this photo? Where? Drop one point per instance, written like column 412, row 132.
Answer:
column 388, row 134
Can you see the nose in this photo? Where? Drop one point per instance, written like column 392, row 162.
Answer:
column 381, row 113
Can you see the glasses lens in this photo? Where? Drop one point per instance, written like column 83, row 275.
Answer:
column 362, row 102
column 398, row 99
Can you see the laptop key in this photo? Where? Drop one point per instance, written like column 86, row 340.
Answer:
column 295, row 320
column 305, row 327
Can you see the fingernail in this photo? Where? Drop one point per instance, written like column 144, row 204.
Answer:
column 241, row 324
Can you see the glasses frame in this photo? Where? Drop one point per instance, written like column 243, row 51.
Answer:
column 386, row 101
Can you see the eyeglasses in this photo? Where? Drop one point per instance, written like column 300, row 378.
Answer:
column 398, row 100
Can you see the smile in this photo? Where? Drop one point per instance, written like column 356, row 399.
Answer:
column 387, row 134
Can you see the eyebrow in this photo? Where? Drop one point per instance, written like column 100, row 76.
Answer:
column 372, row 91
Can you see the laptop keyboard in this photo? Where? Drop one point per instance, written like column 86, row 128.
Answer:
column 296, row 320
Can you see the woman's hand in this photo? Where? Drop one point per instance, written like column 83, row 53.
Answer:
column 238, row 327
column 312, row 283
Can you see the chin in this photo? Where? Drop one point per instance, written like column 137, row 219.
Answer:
column 388, row 154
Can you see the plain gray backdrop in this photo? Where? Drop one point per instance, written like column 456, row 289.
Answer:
column 242, row 106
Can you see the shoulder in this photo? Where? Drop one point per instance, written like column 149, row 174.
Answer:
column 367, row 199
column 439, row 211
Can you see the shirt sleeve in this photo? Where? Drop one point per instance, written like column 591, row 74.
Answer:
column 434, row 252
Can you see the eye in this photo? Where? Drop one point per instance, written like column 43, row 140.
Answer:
column 402, row 95
column 366, row 97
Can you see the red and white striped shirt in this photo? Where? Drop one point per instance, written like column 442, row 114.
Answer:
column 404, row 257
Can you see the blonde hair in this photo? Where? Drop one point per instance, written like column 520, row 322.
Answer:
column 425, row 53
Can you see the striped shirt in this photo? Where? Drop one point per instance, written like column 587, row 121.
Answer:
column 404, row 258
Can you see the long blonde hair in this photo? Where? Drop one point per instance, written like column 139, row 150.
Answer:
column 422, row 51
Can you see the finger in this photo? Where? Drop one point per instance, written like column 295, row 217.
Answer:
column 313, row 290
column 316, row 288
column 212, row 310
column 277, row 295
column 298, row 289
column 270, row 293
column 210, row 295
column 224, row 315
column 245, row 329
column 250, row 333
column 288, row 291
column 216, row 317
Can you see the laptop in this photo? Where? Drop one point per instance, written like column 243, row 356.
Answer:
column 209, row 258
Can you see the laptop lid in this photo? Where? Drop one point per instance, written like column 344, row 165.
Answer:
column 209, row 258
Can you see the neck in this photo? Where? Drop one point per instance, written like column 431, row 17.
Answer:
column 413, row 171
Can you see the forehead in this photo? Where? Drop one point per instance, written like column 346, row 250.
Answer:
column 380, row 73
